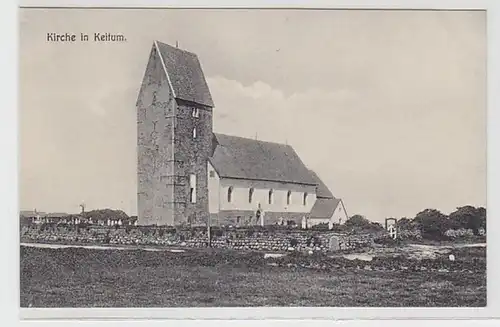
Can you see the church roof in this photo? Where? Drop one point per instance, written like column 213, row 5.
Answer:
column 322, row 190
column 185, row 74
column 238, row 157
column 324, row 207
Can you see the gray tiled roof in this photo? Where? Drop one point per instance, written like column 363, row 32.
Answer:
column 244, row 158
column 322, row 190
column 186, row 75
column 324, row 207
column 326, row 203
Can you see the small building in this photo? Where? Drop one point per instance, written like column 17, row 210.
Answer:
column 327, row 209
column 32, row 216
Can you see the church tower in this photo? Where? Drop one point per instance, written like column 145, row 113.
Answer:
column 174, row 139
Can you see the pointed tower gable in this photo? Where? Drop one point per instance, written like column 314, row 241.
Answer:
column 154, row 74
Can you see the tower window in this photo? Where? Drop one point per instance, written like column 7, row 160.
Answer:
column 192, row 188
column 270, row 196
column 195, row 113
column 250, row 195
column 230, row 194
column 212, row 173
column 288, row 197
column 304, row 200
column 194, row 133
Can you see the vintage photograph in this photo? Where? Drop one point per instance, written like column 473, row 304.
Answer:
column 252, row 158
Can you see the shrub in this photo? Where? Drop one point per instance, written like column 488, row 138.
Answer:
column 322, row 226
column 217, row 232
column 294, row 242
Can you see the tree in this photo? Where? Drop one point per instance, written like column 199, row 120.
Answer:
column 432, row 223
column 468, row 217
column 357, row 221
column 405, row 223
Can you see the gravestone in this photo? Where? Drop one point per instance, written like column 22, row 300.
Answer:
column 334, row 243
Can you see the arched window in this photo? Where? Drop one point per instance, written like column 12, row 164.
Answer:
column 271, row 196
column 230, row 194
column 288, row 197
column 250, row 195
column 304, row 201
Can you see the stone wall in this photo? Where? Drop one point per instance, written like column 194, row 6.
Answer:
column 240, row 239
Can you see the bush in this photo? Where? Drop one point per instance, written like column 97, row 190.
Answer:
column 322, row 226
column 217, row 232
column 294, row 242
column 387, row 240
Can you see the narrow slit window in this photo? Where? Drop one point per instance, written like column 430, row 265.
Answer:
column 288, row 197
column 192, row 188
column 230, row 194
column 250, row 195
column 194, row 133
column 304, row 201
column 271, row 193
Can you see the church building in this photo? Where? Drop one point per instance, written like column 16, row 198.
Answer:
column 189, row 175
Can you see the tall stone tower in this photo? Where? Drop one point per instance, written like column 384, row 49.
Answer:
column 174, row 139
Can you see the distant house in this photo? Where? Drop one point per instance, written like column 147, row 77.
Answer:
column 39, row 217
column 204, row 177
column 58, row 217
column 327, row 209
column 32, row 216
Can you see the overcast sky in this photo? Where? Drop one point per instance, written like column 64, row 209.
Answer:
column 389, row 107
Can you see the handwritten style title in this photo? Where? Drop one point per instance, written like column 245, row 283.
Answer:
column 97, row 37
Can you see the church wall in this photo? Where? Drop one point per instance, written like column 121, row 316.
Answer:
column 213, row 189
column 248, row 218
column 240, row 196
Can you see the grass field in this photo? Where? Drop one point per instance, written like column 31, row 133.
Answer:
column 76, row 277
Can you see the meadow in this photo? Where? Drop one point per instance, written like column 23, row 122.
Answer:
column 77, row 277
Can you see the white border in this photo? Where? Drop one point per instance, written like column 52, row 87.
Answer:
column 8, row 179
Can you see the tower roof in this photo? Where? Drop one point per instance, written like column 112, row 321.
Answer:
column 185, row 74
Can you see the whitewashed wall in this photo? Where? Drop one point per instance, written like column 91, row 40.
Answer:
column 240, row 195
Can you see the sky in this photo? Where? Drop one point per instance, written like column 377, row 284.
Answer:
column 388, row 107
